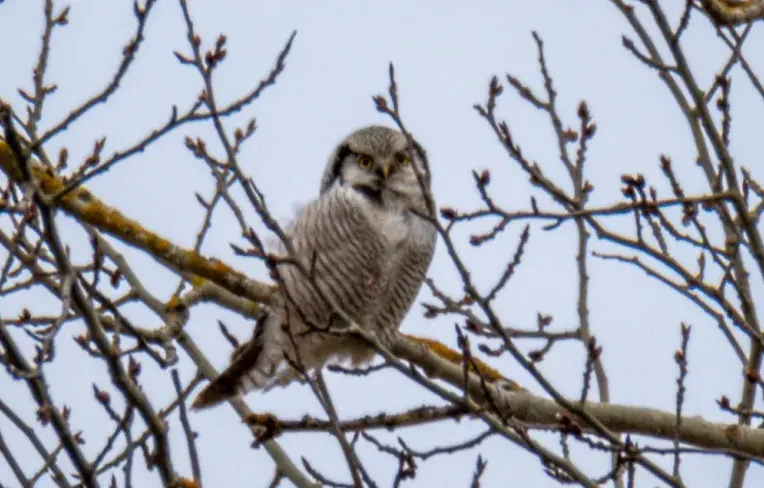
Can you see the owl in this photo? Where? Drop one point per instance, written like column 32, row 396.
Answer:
column 361, row 251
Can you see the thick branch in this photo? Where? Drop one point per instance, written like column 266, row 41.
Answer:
column 525, row 407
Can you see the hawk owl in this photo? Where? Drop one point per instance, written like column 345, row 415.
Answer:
column 363, row 248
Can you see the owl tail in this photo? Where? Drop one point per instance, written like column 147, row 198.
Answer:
column 254, row 364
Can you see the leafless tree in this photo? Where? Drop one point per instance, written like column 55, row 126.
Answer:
column 706, row 247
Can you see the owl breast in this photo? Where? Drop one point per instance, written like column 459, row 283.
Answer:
column 411, row 244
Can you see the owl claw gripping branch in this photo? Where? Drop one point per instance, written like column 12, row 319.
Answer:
column 363, row 250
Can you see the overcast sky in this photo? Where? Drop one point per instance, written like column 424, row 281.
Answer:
column 444, row 57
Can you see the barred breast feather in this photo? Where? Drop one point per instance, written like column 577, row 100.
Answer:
column 408, row 274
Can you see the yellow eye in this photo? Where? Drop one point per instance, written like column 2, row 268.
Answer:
column 365, row 162
column 401, row 159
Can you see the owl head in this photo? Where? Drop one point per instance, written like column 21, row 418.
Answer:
column 375, row 160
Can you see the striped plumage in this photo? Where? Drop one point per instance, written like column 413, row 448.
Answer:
column 365, row 248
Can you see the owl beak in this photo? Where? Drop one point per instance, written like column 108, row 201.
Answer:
column 384, row 170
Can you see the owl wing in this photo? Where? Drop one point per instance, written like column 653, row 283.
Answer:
column 344, row 254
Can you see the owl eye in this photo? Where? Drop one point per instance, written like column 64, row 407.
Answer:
column 401, row 159
column 365, row 162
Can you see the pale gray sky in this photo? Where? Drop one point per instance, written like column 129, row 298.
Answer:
column 444, row 54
